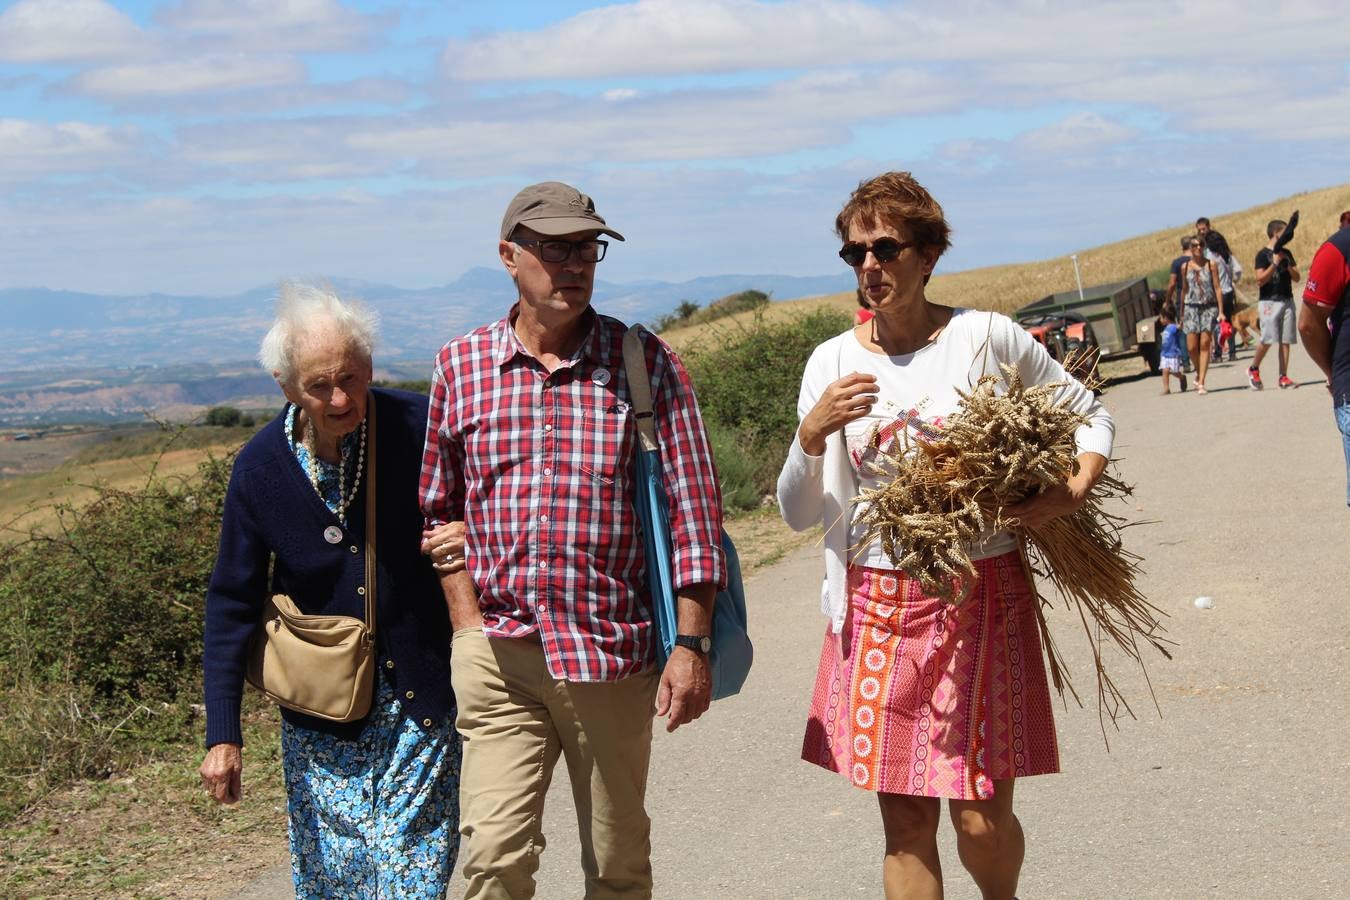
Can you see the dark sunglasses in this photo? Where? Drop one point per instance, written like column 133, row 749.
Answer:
column 884, row 249
column 555, row 251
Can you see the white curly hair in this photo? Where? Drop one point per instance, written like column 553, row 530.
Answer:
column 302, row 307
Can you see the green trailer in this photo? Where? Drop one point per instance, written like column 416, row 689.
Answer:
column 1119, row 313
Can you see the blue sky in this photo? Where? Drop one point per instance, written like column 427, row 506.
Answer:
column 208, row 146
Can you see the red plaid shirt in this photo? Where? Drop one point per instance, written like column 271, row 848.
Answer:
column 540, row 466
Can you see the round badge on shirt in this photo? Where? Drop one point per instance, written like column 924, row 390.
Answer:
column 600, row 377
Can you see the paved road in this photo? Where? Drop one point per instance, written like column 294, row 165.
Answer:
column 1239, row 789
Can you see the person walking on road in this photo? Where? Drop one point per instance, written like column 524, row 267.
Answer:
column 1200, row 311
column 913, row 695
column 531, row 442
column 1175, row 293
column 1218, row 252
column 1323, row 321
column 372, row 805
column 1169, row 357
column 1276, row 273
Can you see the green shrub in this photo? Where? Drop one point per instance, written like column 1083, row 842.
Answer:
column 740, row 479
column 114, row 600
column 101, row 632
column 226, row 416
column 688, row 313
column 747, row 389
column 743, row 301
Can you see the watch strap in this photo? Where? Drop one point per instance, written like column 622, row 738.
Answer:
column 699, row 643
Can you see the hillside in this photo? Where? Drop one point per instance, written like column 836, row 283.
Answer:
column 46, row 329
column 1005, row 288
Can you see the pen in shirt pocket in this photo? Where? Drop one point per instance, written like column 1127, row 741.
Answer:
column 596, row 475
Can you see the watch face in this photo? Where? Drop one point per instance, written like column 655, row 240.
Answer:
column 697, row 643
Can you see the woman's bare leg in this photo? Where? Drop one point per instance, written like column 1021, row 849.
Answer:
column 1199, row 346
column 911, row 870
column 989, row 838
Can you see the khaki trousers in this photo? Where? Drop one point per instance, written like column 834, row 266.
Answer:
column 515, row 719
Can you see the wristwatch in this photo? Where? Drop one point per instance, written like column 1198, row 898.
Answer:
column 699, row 643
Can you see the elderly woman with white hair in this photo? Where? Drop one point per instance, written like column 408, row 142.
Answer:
column 373, row 803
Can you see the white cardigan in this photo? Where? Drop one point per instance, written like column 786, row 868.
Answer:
column 819, row 489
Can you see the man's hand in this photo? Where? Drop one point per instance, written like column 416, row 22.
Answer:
column 686, row 688
column 461, row 600
column 222, row 773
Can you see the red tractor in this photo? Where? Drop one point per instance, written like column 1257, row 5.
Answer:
column 1069, row 338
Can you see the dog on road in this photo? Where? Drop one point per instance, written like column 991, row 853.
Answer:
column 1247, row 319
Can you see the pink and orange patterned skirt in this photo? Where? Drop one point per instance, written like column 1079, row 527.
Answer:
column 923, row 697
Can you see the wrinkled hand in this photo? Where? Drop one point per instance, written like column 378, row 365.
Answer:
column 445, row 545
column 222, row 773
column 1061, row 500
column 849, row 398
column 686, row 688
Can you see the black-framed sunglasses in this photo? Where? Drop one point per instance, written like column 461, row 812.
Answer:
column 884, row 249
column 556, row 251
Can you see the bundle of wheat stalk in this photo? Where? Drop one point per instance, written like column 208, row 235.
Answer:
column 1006, row 442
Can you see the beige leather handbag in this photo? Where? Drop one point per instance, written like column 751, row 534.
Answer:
column 322, row 666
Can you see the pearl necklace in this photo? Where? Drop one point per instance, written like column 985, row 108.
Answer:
column 345, row 498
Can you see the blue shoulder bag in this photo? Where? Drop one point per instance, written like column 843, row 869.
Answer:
column 732, row 653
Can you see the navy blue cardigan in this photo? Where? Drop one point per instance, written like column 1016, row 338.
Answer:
column 272, row 510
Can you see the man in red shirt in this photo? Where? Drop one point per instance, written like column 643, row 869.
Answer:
column 1323, row 321
column 531, row 441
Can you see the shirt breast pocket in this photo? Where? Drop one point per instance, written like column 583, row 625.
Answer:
column 606, row 442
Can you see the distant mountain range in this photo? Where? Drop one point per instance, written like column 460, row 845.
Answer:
column 45, row 328
column 72, row 357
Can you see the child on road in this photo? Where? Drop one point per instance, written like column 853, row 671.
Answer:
column 1170, row 349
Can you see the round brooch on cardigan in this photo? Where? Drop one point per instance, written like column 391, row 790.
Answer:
column 332, row 534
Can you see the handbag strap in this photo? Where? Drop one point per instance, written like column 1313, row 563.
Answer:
column 640, row 386
column 370, row 518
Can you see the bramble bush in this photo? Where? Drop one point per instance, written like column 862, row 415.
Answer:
column 101, row 631
column 747, row 386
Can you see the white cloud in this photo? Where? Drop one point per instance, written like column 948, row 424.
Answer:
column 675, row 37
column 666, row 37
column 29, row 149
column 812, row 112
column 208, row 73
column 67, row 31
column 1081, row 133
column 282, row 25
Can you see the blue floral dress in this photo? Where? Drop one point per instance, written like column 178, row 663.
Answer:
column 378, row 815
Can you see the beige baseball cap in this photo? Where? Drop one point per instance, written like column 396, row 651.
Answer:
column 553, row 208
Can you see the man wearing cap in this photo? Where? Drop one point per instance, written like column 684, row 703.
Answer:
column 531, row 441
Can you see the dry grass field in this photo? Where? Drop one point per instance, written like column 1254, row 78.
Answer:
column 66, row 469
column 1005, row 288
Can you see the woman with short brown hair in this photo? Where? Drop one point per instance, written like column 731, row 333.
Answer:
column 917, row 699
